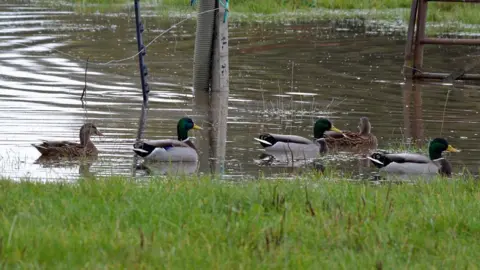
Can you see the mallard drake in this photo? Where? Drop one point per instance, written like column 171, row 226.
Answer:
column 277, row 143
column 408, row 163
column 170, row 150
column 353, row 141
column 71, row 149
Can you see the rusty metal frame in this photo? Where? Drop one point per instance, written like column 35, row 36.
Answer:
column 416, row 40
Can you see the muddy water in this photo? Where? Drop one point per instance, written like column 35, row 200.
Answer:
column 282, row 78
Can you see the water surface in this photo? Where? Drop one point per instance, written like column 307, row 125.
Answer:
column 282, row 77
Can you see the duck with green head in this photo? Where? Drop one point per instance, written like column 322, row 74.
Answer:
column 181, row 149
column 408, row 163
column 297, row 145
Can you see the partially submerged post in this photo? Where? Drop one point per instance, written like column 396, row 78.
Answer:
column 143, row 70
column 211, row 81
column 143, row 76
column 220, row 89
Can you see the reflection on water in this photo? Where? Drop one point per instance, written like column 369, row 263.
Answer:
column 83, row 164
column 412, row 114
column 168, row 168
column 282, row 78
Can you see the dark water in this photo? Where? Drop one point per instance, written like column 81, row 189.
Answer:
column 282, row 77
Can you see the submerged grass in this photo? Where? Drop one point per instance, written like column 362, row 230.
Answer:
column 405, row 145
column 207, row 224
column 466, row 13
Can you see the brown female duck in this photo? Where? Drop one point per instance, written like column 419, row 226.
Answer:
column 353, row 141
column 72, row 149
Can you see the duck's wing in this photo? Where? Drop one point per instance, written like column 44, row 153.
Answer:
column 146, row 147
column 284, row 138
column 407, row 158
column 338, row 141
column 350, row 139
column 168, row 143
column 66, row 148
column 55, row 144
column 381, row 159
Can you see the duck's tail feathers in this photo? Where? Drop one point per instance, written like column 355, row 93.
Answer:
column 376, row 161
column 263, row 141
column 143, row 149
column 38, row 146
column 43, row 150
column 140, row 152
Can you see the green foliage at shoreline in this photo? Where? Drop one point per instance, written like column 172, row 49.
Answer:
column 309, row 223
column 466, row 13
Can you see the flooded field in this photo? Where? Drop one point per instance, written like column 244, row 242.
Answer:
column 282, row 77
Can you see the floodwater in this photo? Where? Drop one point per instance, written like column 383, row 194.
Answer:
column 282, row 77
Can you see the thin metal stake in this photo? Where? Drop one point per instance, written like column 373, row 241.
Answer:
column 143, row 78
column 141, row 48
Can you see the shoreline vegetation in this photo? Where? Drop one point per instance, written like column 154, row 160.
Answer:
column 278, row 10
column 181, row 223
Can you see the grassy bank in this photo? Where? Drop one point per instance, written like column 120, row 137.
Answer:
column 466, row 13
column 203, row 224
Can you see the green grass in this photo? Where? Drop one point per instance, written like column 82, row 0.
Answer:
column 400, row 145
column 466, row 13
column 117, row 223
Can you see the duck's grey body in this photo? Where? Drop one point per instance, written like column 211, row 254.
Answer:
column 408, row 163
column 167, row 150
column 291, row 145
column 293, row 139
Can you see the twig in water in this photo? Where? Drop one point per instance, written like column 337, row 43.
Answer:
column 291, row 83
column 328, row 106
column 84, row 93
column 140, row 131
column 291, row 154
column 412, row 68
column 457, row 74
column 444, row 110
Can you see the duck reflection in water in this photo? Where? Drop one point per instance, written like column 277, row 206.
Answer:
column 168, row 168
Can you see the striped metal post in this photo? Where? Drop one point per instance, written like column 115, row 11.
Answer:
column 142, row 50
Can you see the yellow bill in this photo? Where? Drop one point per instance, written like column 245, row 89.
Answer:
column 197, row 127
column 452, row 149
column 335, row 129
